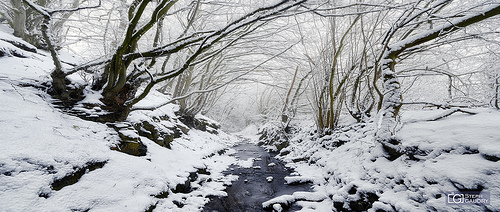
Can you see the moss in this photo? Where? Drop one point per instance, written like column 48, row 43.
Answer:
column 158, row 133
column 183, row 128
column 75, row 176
column 133, row 148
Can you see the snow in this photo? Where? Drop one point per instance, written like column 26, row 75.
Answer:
column 289, row 199
column 450, row 154
column 6, row 35
column 41, row 144
column 248, row 163
column 277, row 207
column 250, row 132
column 445, row 27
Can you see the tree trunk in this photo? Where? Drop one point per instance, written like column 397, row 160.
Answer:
column 117, row 91
column 19, row 19
column 388, row 115
column 59, row 80
column 392, row 99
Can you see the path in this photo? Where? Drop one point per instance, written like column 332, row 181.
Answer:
column 252, row 187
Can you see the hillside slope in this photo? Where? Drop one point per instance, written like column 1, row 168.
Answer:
column 52, row 161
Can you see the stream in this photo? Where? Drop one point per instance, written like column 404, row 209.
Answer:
column 255, row 185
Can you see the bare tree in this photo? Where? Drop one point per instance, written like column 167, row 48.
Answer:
column 344, row 65
column 26, row 20
column 406, row 36
column 119, row 86
column 59, row 81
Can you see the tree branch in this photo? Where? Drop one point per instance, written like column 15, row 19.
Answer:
column 215, row 88
column 397, row 48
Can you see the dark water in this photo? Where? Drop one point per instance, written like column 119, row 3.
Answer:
column 252, row 189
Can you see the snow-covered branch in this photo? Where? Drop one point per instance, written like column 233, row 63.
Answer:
column 216, row 87
column 451, row 26
column 49, row 12
column 210, row 40
column 361, row 8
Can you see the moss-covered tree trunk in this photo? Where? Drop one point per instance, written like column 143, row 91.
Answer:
column 118, row 90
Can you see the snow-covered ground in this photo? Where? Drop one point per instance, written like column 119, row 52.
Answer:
column 41, row 145
column 460, row 152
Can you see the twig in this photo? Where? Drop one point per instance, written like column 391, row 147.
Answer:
column 11, row 84
column 438, row 106
column 449, row 113
column 441, row 116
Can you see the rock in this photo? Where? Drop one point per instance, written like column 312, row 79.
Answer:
column 127, row 134
column 159, row 133
column 77, row 173
column 199, row 122
column 184, row 129
column 183, row 187
column 277, row 207
column 132, row 148
column 130, row 140
column 275, row 136
column 162, row 195
column 364, row 203
column 492, row 158
column 269, row 179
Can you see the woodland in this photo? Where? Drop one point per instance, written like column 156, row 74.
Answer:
column 334, row 64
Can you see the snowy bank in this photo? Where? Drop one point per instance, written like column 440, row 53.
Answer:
column 451, row 155
column 52, row 161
